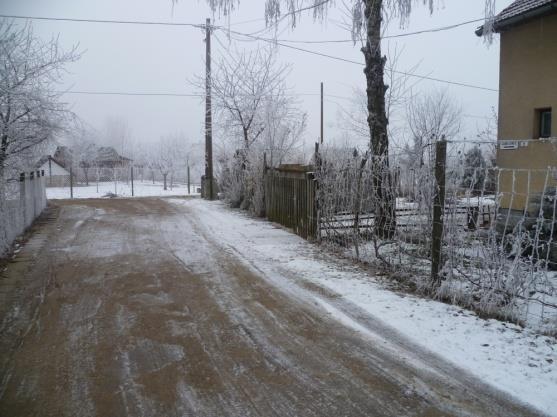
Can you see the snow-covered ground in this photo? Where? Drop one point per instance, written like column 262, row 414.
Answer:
column 517, row 361
column 141, row 189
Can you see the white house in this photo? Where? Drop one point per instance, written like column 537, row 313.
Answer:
column 56, row 175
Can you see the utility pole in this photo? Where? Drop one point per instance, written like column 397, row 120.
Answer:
column 321, row 113
column 208, row 115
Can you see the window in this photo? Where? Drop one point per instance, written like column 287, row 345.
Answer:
column 544, row 123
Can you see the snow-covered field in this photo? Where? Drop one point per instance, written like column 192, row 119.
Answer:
column 121, row 189
column 517, row 361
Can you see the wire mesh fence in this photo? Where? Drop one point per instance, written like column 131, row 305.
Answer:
column 22, row 200
column 455, row 226
column 121, row 181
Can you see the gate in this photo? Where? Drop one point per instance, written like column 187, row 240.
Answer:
column 290, row 198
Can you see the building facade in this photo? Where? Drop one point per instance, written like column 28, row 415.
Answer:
column 527, row 126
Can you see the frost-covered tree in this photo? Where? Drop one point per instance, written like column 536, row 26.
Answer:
column 367, row 24
column 284, row 124
column 31, row 110
column 117, row 134
column 431, row 115
column 474, row 175
column 83, row 144
column 242, row 86
column 256, row 116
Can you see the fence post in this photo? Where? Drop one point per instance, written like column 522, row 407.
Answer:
column 43, row 189
column 37, row 201
column 189, row 192
column 71, row 182
column 22, row 199
column 264, row 179
column 438, row 212
column 315, row 202
column 132, row 178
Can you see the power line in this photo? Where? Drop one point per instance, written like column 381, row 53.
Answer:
column 400, row 35
column 200, row 25
column 125, row 93
column 168, row 94
column 122, row 22
column 439, row 29
column 273, row 41
column 408, row 74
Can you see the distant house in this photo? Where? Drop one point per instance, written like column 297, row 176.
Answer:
column 102, row 157
column 527, row 131
column 97, row 163
column 55, row 173
column 107, row 157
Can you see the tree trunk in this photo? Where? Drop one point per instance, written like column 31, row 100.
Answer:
column 164, row 179
column 246, row 137
column 3, row 152
column 385, row 221
column 3, row 215
column 358, row 207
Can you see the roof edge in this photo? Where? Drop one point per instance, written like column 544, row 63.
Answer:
column 546, row 9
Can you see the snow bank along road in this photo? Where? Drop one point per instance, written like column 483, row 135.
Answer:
column 142, row 309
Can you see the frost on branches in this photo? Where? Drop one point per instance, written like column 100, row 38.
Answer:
column 255, row 117
column 498, row 261
column 30, row 107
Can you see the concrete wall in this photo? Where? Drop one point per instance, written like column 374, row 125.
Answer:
column 528, row 81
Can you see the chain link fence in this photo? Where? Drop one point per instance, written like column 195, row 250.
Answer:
column 128, row 181
column 22, row 200
column 451, row 225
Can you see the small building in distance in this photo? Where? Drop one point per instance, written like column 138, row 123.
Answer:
column 107, row 157
column 527, row 127
column 55, row 173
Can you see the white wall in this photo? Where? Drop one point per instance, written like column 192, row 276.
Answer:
column 56, row 169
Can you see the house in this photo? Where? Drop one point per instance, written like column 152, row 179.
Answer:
column 101, row 157
column 93, row 162
column 55, row 173
column 527, row 131
column 107, row 157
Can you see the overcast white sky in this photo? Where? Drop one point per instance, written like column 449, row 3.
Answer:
column 132, row 58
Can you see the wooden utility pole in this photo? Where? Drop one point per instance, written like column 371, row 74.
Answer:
column 208, row 115
column 321, row 113
column 438, row 212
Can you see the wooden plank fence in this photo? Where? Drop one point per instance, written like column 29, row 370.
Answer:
column 290, row 198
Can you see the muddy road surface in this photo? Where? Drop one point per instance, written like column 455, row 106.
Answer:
column 132, row 308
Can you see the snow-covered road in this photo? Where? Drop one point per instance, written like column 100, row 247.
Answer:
column 182, row 308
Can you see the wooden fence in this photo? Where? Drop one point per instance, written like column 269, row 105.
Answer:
column 290, row 198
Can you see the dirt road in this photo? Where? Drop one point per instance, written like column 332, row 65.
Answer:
column 140, row 312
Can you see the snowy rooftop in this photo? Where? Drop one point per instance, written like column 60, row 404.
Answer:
column 521, row 10
column 520, row 7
